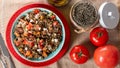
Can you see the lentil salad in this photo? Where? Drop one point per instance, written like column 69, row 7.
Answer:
column 37, row 34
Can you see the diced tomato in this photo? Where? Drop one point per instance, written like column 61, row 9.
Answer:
column 55, row 23
column 36, row 11
column 40, row 46
column 29, row 26
column 41, row 43
column 31, row 43
column 53, row 17
column 25, row 42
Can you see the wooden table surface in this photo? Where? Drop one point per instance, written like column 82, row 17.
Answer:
column 9, row 7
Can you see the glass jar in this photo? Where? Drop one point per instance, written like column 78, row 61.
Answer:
column 58, row 3
column 84, row 16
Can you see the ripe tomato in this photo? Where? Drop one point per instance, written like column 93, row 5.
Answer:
column 41, row 42
column 79, row 54
column 99, row 36
column 106, row 56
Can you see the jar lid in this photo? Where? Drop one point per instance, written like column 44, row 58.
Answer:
column 109, row 15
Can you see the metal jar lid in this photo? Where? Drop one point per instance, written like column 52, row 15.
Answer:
column 109, row 15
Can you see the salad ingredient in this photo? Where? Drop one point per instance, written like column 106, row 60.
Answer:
column 37, row 34
column 99, row 36
column 79, row 54
column 106, row 56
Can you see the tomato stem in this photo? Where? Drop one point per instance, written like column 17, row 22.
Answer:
column 80, row 54
column 99, row 34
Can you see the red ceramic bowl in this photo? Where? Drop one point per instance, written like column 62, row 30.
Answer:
column 25, row 61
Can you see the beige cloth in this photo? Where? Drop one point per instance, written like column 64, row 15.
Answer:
column 9, row 7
